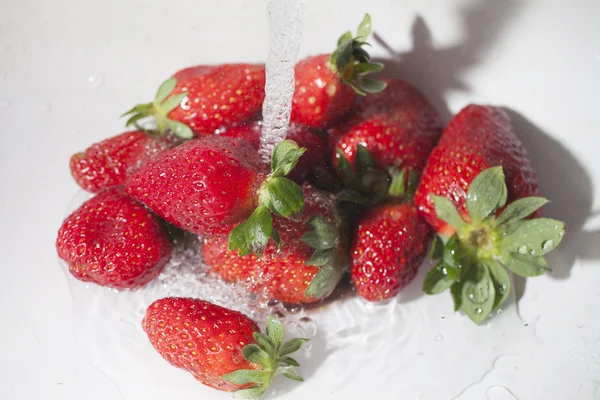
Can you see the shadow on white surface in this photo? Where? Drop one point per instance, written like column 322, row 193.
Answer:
column 438, row 70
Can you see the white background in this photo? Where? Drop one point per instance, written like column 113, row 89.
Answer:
column 69, row 68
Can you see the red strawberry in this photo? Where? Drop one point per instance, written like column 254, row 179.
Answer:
column 113, row 241
column 389, row 245
column 397, row 126
column 326, row 85
column 199, row 100
column 209, row 185
column 305, row 269
column 478, row 167
column 110, row 162
column 221, row 348
column 315, row 144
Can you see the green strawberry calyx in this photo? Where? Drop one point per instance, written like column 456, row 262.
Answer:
column 330, row 255
column 367, row 185
column 351, row 62
column 271, row 354
column 473, row 262
column 164, row 102
column 276, row 195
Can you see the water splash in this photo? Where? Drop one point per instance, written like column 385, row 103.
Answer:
column 285, row 22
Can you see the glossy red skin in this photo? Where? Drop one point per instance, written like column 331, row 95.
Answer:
column 398, row 126
column 112, row 240
column 205, row 186
column 479, row 137
column 279, row 275
column 218, row 95
column 110, row 162
column 320, row 97
column 201, row 338
column 389, row 246
column 317, row 147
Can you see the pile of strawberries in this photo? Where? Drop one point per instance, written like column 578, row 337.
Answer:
column 365, row 180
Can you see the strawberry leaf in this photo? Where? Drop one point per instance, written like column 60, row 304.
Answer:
column 437, row 248
column 478, row 293
column 322, row 236
column 265, row 342
column 520, row 209
column 285, row 157
column 281, row 196
column 364, row 29
column 179, row 129
column 290, row 372
column 535, row 237
column 397, row 186
column 252, row 235
column 346, row 37
column 289, row 361
column 501, row 279
column 165, row 89
column 292, row 346
column 438, row 280
column 320, row 258
column 171, row 103
column 446, row 211
column 363, row 160
column 370, row 86
column 275, row 330
column 456, row 291
column 525, row 265
column 327, row 277
column 486, row 193
column 256, row 355
column 367, row 68
column 244, row 376
column 345, row 169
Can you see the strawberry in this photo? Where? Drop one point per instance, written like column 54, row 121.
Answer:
column 327, row 85
column 477, row 190
column 307, row 266
column 110, row 162
column 315, row 144
column 113, row 241
column 221, row 348
column 199, row 100
column 397, row 126
column 210, row 185
column 389, row 245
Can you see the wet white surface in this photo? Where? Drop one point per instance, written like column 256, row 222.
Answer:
column 69, row 68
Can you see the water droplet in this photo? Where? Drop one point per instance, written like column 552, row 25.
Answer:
column 594, row 368
column 580, row 324
column 479, row 311
column 499, row 311
column 96, row 80
column 499, row 393
column 39, row 107
column 579, row 342
column 532, row 252
column 439, row 337
column 523, row 249
column 547, row 245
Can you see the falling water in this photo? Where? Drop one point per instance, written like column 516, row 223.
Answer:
column 285, row 22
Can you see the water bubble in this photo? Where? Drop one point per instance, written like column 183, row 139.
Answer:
column 547, row 245
column 523, row 249
column 96, row 80
column 439, row 337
